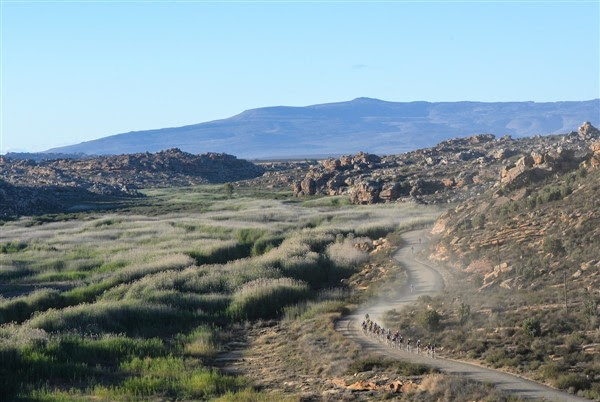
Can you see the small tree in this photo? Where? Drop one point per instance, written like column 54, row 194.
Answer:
column 532, row 327
column 464, row 312
column 553, row 245
column 228, row 188
column 479, row 221
column 430, row 320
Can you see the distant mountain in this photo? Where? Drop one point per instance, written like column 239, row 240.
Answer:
column 346, row 127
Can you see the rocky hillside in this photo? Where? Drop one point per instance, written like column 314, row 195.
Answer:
column 30, row 187
column 523, row 280
column 17, row 200
column 452, row 171
column 541, row 220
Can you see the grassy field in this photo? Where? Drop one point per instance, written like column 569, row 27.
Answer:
column 133, row 303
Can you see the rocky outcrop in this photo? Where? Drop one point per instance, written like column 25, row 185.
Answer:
column 594, row 161
column 123, row 174
column 366, row 192
column 541, row 163
column 112, row 176
column 588, row 132
column 431, row 175
column 452, row 171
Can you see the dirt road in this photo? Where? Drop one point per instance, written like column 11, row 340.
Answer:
column 426, row 280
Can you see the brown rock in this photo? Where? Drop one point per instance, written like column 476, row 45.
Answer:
column 363, row 386
column 588, row 132
column 448, row 182
column 366, row 192
column 409, row 387
column 538, row 158
column 390, row 191
column 395, row 386
column 346, row 161
column 340, row 382
column 503, row 154
column 308, row 186
column 331, row 164
column 525, row 162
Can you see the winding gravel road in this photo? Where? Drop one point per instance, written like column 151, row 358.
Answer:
column 427, row 281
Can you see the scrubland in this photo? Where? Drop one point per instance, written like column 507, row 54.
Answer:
column 135, row 303
column 524, row 294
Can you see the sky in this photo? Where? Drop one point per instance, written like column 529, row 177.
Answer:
column 75, row 71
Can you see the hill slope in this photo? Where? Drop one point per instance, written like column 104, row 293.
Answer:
column 362, row 124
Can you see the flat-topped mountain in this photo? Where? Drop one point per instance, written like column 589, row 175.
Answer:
column 364, row 124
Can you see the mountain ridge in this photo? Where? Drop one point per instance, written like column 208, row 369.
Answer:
column 368, row 124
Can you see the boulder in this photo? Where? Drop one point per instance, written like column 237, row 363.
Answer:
column 365, row 159
column 448, row 182
column 525, row 162
column 331, row 164
column 390, row 191
column 346, row 161
column 336, row 184
column 308, row 186
column 366, row 192
column 424, row 187
column 503, row 154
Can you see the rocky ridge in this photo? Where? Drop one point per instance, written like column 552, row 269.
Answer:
column 31, row 184
column 541, row 218
column 452, row 171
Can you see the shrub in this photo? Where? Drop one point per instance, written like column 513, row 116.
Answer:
column 12, row 247
column 21, row 308
column 430, row 319
column 345, row 255
column 130, row 317
column 479, row 221
column 374, row 363
column 228, row 189
column 464, row 312
column 572, row 382
column 221, row 254
column 266, row 243
column 532, row 327
column 249, row 236
column 266, row 298
column 553, row 245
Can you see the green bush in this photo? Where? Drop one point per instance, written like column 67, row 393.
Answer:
column 375, row 363
column 572, row 382
column 430, row 320
column 12, row 247
column 532, row 327
column 266, row 298
column 464, row 312
column 21, row 308
column 221, row 254
column 553, row 245
column 266, row 243
column 249, row 236
column 479, row 221
column 130, row 317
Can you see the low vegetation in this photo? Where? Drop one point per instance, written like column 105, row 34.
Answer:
column 133, row 304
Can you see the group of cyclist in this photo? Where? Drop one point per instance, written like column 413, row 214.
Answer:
column 394, row 339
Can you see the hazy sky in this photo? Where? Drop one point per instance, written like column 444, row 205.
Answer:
column 75, row 71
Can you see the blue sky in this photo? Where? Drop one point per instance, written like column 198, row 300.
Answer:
column 76, row 71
